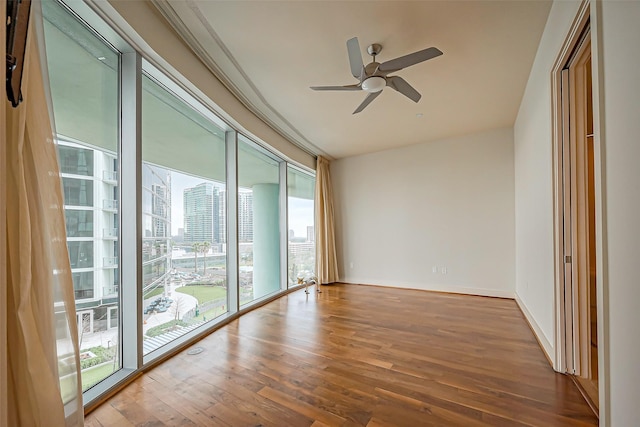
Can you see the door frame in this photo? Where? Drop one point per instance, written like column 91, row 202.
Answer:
column 581, row 265
column 588, row 14
column 559, row 134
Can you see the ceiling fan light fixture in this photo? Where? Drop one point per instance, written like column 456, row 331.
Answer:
column 374, row 84
column 372, row 78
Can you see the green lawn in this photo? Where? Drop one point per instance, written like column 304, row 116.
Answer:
column 67, row 388
column 95, row 374
column 203, row 293
column 209, row 315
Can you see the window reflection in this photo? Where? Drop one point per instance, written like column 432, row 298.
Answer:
column 78, row 192
column 79, row 223
column 83, row 284
column 81, row 254
column 75, row 161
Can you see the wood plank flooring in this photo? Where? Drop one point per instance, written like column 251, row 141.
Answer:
column 358, row 356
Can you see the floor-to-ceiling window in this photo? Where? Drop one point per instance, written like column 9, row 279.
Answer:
column 259, row 209
column 205, row 205
column 83, row 72
column 301, row 226
column 184, row 244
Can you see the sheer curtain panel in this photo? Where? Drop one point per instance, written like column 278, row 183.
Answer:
column 43, row 387
column 3, row 237
column 326, row 260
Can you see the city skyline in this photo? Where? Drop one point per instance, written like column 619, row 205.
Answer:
column 301, row 211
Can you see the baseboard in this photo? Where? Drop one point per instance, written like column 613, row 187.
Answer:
column 495, row 293
column 546, row 346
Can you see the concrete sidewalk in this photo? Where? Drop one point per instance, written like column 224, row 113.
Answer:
column 182, row 302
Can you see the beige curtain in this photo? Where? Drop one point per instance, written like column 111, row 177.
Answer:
column 326, row 260
column 3, row 228
column 44, row 387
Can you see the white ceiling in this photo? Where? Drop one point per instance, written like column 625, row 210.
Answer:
column 270, row 52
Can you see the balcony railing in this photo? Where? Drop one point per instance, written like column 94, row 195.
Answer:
column 110, row 233
column 110, row 176
column 110, row 262
column 83, row 293
column 110, row 205
column 110, row 291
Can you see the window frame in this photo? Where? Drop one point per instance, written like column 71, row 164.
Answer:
column 312, row 174
column 134, row 64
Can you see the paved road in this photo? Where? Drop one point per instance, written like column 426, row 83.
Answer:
column 182, row 302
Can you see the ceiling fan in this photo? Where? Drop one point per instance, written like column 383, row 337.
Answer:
column 375, row 76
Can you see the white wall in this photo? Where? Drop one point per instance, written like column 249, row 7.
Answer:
column 619, row 84
column 447, row 203
column 615, row 34
column 534, row 275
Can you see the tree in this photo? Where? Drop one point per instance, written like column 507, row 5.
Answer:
column 179, row 306
column 293, row 273
column 84, row 326
column 204, row 250
column 196, row 249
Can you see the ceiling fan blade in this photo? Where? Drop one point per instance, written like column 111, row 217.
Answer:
column 409, row 60
column 367, row 101
column 355, row 57
column 347, row 87
column 401, row 85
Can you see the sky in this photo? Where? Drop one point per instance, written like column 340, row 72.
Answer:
column 300, row 210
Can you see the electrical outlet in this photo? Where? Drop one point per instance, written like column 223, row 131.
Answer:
column 434, row 269
column 443, row 270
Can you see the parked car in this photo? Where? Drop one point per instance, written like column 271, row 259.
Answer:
column 161, row 308
column 149, row 309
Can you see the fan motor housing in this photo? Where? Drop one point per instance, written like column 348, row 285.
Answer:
column 374, row 49
column 371, row 68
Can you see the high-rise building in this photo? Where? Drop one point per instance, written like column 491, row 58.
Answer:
column 160, row 206
column 90, row 188
column 202, row 213
column 156, row 220
column 89, row 179
column 311, row 236
column 222, row 215
column 245, row 216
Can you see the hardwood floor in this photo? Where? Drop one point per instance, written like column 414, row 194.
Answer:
column 358, row 356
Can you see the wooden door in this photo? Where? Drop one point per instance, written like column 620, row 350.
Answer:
column 579, row 237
